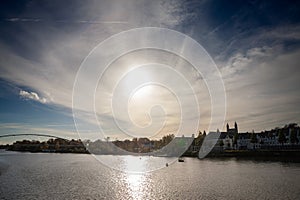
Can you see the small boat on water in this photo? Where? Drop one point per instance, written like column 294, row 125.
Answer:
column 180, row 159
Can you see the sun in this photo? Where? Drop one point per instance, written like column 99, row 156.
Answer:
column 143, row 92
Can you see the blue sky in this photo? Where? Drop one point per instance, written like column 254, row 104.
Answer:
column 255, row 45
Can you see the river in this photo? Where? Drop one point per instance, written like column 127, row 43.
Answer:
column 81, row 176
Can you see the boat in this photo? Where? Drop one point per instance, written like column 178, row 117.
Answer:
column 180, row 159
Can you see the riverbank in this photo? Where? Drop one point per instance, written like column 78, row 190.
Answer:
column 255, row 153
column 266, row 155
column 276, row 155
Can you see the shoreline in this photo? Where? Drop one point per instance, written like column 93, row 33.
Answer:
column 267, row 155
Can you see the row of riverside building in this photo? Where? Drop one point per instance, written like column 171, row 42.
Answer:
column 287, row 137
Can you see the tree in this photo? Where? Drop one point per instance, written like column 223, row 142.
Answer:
column 292, row 125
column 221, row 143
column 253, row 138
column 235, row 138
column 281, row 137
column 199, row 140
column 167, row 139
column 199, row 134
column 293, row 137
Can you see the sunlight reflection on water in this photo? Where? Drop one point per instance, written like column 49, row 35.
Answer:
column 135, row 182
column 135, row 164
column 136, row 177
column 136, row 185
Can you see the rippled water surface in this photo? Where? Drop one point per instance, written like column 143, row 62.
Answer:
column 81, row 176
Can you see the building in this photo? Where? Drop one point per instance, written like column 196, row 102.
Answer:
column 278, row 138
column 285, row 137
column 226, row 139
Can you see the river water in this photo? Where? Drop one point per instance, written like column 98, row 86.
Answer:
column 81, row 176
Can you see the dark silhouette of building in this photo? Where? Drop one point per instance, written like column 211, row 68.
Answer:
column 232, row 131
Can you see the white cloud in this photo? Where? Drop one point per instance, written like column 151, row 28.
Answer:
column 32, row 96
column 239, row 62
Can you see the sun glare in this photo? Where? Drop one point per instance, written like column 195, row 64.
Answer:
column 143, row 92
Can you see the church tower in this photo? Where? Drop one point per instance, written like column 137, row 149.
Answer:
column 236, row 127
column 227, row 126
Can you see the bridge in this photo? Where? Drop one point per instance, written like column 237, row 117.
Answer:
column 33, row 134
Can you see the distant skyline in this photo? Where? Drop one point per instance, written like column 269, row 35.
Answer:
column 255, row 45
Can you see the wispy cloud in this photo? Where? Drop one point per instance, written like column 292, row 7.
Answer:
column 262, row 87
column 64, row 21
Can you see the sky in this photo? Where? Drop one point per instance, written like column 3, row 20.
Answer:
column 254, row 44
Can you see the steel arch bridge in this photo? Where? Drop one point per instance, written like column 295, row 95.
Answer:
column 33, row 134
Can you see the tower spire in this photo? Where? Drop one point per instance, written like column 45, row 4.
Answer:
column 236, row 127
